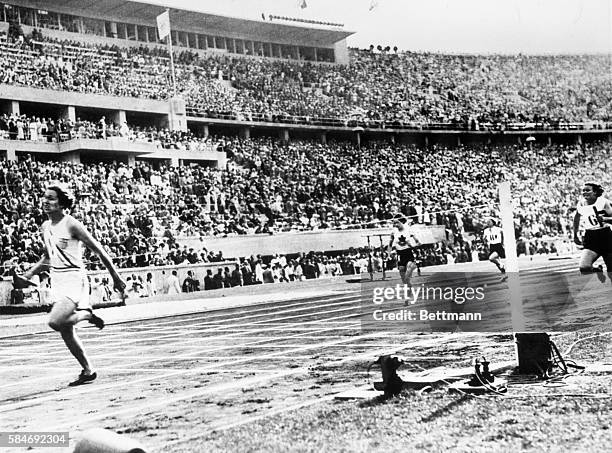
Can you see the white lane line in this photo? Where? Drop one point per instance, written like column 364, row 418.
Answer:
column 196, row 349
column 93, row 338
column 98, row 388
column 271, row 308
column 222, row 348
column 212, row 317
column 189, row 356
column 16, row 354
column 221, row 328
column 162, row 369
column 166, row 400
column 186, row 318
column 340, row 300
column 193, row 343
column 192, row 355
column 227, row 326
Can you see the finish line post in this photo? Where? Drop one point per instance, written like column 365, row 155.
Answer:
column 512, row 267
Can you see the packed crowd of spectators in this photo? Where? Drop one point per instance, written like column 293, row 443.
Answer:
column 35, row 128
column 269, row 186
column 404, row 89
column 395, row 88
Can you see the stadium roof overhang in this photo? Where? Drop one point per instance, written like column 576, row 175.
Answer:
column 199, row 22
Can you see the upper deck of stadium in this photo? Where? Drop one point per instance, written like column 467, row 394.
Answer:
column 134, row 23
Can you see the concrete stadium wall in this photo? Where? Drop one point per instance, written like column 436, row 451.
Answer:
column 10, row 147
column 87, row 100
column 113, row 144
column 284, row 243
column 341, row 53
column 218, row 159
column 72, row 150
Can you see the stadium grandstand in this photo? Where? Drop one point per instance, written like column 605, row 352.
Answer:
column 90, row 95
column 269, row 154
column 95, row 89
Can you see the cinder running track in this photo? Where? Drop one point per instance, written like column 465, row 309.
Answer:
column 167, row 380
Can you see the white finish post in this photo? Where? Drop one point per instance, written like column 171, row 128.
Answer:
column 512, row 266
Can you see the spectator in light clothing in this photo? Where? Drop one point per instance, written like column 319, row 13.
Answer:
column 165, row 283
column 174, row 286
column 97, row 291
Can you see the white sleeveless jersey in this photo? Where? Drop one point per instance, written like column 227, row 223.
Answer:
column 65, row 252
column 68, row 275
column 401, row 239
column 588, row 217
column 493, row 235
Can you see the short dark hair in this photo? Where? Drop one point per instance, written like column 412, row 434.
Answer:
column 596, row 188
column 65, row 197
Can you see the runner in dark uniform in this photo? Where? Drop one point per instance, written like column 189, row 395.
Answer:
column 494, row 239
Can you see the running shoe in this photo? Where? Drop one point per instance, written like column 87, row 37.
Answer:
column 83, row 379
column 600, row 273
column 96, row 321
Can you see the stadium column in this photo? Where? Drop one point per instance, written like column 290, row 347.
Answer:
column 283, row 134
column 74, row 157
column 118, row 117
column 578, row 139
column 512, row 265
column 14, row 108
column 341, row 54
column 11, row 155
column 177, row 114
column 69, row 113
column 113, row 29
column 245, row 132
column 323, row 138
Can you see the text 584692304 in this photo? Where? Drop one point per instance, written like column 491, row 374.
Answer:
column 34, row 439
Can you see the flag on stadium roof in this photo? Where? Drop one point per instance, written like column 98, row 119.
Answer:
column 163, row 24
column 303, row 4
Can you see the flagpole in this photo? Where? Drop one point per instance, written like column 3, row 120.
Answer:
column 169, row 42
